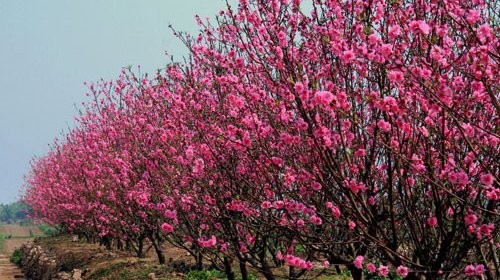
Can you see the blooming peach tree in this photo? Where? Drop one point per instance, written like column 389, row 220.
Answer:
column 304, row 134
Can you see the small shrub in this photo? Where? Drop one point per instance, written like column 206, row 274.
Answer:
column 205, row 274
column 48, row 230
column 17, row 257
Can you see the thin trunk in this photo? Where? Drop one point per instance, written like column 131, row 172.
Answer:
column 158, row 250
column 291, row 273
column 356, row 273
column 266, row 269
column 199, row 260
column 243, row 270
column 228, row 269
column 496, row 262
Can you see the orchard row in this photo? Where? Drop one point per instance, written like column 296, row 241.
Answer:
column 361, row 134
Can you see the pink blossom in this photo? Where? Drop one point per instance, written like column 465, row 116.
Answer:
column 316, row 186
column 373, row 38
column 420, row 26
column 486, row 179
column 473, row 16
column 394, row 31
column 479, row 269
column 383, row 270
column 277, row 161
column 386, row 50
column 167, row 228
column 493, row 194
column 323, row 98
column 315, row 220
column 266, row 205
column 396, row 76
column 358, row 262
column 432, row 222
column 208, row 243
column 170, row 214
column 384, row 126
column 371, row 200
column 243, row 249
column 424, row 27
column 326, row 264
column 470, row 219
column 360, row 153
column 450, row 211
column 484, row 32
column 335, row 211
column 371, row 267
column 348, row 56
column 351, row 225
column 470, row 270
column 402, row 271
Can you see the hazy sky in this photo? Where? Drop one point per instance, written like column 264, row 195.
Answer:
column 49, row 48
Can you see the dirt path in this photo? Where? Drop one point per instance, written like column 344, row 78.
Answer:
column 9, row 270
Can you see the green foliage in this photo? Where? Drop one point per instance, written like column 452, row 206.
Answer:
column 107, row 271
column 2, row 242
column 48, row 230
column 299, row 249
column 205, row 274
column 13, row 212
column 17, row 257
column 250, row 277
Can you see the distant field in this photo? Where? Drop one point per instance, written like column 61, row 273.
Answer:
column 13, row 236
column 15, row 230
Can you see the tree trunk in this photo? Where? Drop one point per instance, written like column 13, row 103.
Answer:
column 266, row 270
column 228, row 269
column 199, row 260
column 243, row 270
column 158, row 250
column 356, row 273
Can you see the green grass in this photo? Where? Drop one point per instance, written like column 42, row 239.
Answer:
column 107, row 271
column 2, row 242
column 205, row 275
column 49, row 230
column 127, row 271
column 17, row 257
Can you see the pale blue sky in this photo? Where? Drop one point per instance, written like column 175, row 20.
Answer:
column 49, row 48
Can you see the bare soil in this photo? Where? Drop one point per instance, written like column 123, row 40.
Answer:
column 9, row 270
column 96, row 262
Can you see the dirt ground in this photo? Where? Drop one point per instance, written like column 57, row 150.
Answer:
column 8, row 270
column 96, row 262
column 17, row 235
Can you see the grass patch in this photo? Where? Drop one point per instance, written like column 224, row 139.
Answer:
column 205, row 274
column 17, row 257
column 107, row 271
column 128, row 271
column 2, row 242
column 48, row 230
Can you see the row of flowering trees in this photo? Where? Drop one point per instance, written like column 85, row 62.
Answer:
column 299, row 135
